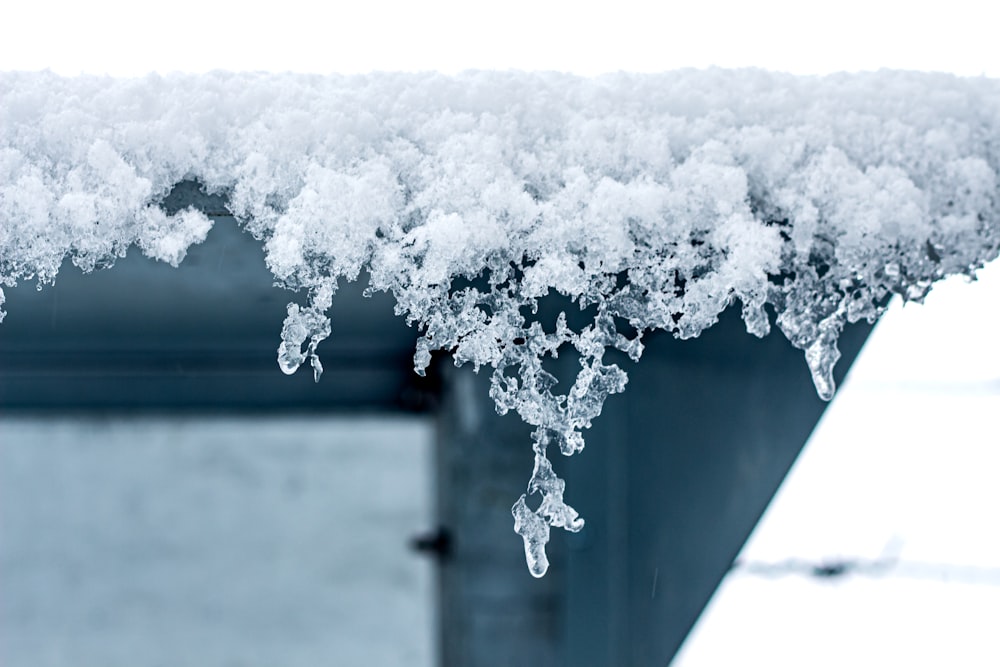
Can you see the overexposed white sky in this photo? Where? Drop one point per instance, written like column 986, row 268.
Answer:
column 124, row 38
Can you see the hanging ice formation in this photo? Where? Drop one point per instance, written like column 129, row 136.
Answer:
column 656, row 201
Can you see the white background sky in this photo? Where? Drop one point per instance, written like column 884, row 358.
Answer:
column 127, row 38
column 907, row 453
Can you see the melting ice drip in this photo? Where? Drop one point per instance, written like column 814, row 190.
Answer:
column 652, row 202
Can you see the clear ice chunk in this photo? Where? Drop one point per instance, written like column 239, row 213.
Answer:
column 535, row 532
column 305, row 326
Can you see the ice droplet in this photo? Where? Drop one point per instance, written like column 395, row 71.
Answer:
column 821, row 357
column 535, row 532
column 302, row 324
column 293, row 334
column 535, row 526
column 422, row 357
column 317, row 365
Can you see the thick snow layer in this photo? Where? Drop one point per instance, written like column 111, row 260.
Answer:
column 655, row 200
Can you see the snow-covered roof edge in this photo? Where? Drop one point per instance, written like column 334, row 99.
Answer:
column 659, row 200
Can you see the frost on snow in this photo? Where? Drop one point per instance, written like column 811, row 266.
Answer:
column 653, row 201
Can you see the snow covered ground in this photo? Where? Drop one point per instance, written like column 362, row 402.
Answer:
column 903, row 466
column 224, row 541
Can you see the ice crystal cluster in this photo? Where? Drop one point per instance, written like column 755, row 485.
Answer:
column 651, row 201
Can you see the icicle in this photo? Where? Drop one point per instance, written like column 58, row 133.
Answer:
column 301, row 324
column 823, row 354
column 535, row 532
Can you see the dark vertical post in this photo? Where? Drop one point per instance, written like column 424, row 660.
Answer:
column 493, row 613
column 676, row 474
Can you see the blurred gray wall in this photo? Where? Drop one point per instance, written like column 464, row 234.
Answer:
column 214, row 541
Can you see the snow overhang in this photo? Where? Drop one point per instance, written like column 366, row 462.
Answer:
column 650, row 201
